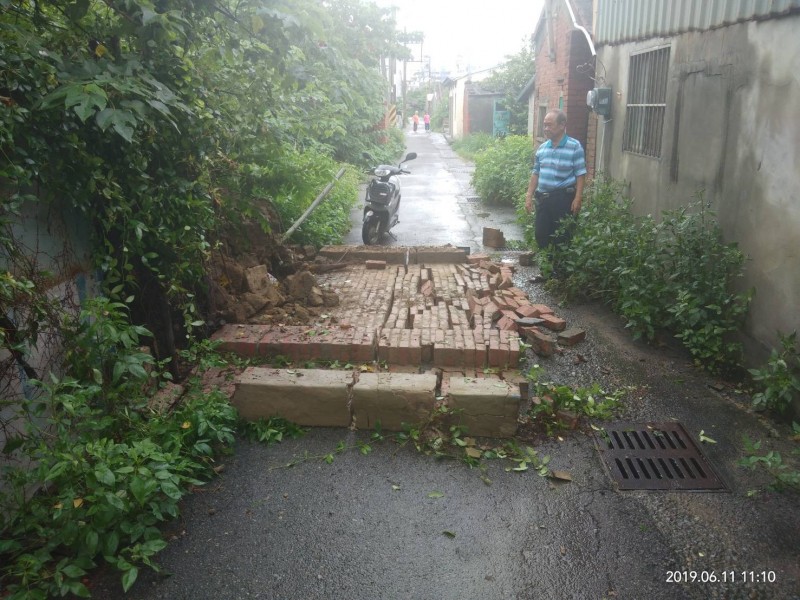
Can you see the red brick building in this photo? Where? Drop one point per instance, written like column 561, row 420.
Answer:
column 565, row 68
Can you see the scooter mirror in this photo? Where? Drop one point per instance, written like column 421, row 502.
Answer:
column 410, row 156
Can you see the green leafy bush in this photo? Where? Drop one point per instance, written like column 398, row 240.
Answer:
column 673, row 275
column 294, row 182
column 503, row 170
column 551, row 398
column 471, row 145
column 778, row 382
column 106, row 469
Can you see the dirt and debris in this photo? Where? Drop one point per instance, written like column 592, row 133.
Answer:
column 254, row 278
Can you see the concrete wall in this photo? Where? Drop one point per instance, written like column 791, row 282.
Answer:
column 459, row 100
column 59, row 244
column 481, row 113
column 531, row 116
column 732, row 128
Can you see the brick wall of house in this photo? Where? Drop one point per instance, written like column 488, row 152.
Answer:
column 563, row 80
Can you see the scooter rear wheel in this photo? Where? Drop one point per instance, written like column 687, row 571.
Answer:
column 371, row 231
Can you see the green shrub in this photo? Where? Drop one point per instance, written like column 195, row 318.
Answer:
column 295, row 181
column 778, row 381
column 471, row 145
column 674, row 275
column 503, row 170
column 441, row 111
column 98, row 471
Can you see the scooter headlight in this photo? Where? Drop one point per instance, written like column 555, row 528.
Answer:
column 382, row 172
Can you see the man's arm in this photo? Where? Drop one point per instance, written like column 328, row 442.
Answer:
column 576, row 202
column 531, row 188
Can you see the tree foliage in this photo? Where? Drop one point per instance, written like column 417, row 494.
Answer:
column 510, row 80
column 154, row 124
column 157, row 121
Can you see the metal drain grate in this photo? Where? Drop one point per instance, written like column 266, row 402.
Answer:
column 655, row 456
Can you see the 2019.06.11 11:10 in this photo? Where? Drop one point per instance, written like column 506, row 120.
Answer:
column 730, row 576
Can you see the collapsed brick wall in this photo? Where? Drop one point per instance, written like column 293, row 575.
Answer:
column 447, row 315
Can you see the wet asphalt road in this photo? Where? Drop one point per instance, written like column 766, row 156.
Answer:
column 438, row 204
column 365, row 526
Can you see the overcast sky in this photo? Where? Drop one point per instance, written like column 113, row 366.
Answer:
column 460, row 33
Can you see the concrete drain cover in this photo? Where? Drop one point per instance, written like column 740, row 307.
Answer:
column 655, row 456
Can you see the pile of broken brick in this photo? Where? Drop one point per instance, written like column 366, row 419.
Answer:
column 460, row 310
column 509, row 309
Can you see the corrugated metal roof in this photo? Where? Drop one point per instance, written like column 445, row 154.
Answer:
column 624, row 20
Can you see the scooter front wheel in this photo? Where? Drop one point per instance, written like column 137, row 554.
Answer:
column 371, row 231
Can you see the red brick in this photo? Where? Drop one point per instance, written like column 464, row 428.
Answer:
column 544, row 344
column 474, row 307
column 475, row 259
column 490, row 266
column 415, row 348
column 527, row 312
column 553, row 322
column 497, row 356
column 506, row 324
column 384, row 345
column 469, row 349
column 241, row 339
column 491, row 310
column 270, row 344
column 395, row 352
column 541, row 309
column 364, row 345
column 571, row 336
column 375, row 264
column 513, row 348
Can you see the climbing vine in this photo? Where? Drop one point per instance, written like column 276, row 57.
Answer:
column 146, row 128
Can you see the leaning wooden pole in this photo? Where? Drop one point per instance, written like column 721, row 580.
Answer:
column 314, row 204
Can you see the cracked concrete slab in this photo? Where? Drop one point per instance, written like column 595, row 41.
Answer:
column 488, row 407
column 393, row 399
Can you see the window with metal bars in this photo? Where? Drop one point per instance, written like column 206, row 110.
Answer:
column 646, row 106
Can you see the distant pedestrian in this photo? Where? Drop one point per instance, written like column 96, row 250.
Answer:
column 557, row 178
column 415, row 120
column 427, row 120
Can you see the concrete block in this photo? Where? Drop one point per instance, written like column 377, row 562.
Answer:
column 393, row 399
column 311, row 397
column 395, row 255
column 437, row 254
column 488, row 407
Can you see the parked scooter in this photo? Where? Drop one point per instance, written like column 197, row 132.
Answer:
column 382, row 202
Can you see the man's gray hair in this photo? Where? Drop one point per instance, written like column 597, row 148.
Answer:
column 561, row 116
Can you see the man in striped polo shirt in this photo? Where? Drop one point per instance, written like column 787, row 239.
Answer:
column 557, row 178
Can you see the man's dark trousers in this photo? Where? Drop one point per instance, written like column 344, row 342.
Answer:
column 551, row 207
